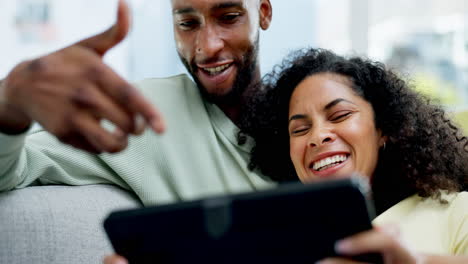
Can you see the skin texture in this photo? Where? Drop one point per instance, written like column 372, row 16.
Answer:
column 328, row 118
column 70, row 91
column 114, row 259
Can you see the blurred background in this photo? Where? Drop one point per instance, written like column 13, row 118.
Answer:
column 425, row 40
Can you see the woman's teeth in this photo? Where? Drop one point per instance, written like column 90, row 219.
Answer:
column 217, row 70
column 328, row 162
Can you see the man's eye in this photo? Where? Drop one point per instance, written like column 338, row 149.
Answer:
column 230, row 17
column 189, row 24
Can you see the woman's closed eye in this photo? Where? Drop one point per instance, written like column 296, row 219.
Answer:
column 340, row 115
column 299, row 130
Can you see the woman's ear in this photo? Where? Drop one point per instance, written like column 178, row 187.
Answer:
column 266, row 14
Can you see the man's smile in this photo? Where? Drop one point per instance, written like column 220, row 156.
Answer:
column 216, row 70
column 212, row 75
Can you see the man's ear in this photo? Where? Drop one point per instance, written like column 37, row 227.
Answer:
column 266, row 13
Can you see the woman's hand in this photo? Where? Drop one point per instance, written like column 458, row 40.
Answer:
column 385, row 240
column 115, row 259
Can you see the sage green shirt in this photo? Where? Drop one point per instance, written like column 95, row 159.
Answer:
column 197, row 156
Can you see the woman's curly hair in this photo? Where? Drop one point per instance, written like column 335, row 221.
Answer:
column 424, row 154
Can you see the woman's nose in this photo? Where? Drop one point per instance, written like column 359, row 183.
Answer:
column 320, row 137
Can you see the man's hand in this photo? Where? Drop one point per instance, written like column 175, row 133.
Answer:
column 69, row 92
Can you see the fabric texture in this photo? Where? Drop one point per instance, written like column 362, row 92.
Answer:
column 197, row 156
column 461, row 118
column 430, row 226
column 58, row 224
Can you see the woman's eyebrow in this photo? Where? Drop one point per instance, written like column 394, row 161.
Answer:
column 335, row 102
column 328, row 106
column 295, row 117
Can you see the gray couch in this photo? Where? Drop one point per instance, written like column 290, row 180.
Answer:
column 58, row 224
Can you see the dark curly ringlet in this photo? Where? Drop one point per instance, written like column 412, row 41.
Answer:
column 425, row 152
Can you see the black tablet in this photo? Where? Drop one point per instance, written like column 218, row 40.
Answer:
column 293, row 223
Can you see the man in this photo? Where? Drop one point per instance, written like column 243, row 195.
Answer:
column 73, row 95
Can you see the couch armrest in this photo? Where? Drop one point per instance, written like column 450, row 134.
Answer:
column 58, row 224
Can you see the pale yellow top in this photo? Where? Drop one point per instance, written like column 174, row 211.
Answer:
column 431, row 227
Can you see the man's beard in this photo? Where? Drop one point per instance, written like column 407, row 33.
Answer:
column 243, row 80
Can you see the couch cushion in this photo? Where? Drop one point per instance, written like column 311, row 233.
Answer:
column 58, row 224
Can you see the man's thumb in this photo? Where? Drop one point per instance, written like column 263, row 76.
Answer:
column 103, row 42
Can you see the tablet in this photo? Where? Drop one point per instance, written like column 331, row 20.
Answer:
column 292, row 223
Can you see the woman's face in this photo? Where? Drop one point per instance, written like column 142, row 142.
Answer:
column 331, row 130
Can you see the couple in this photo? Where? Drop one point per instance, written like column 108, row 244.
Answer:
column 320, row 116
column 70, row 91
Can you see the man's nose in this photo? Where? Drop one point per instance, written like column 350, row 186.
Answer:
column 209, row 42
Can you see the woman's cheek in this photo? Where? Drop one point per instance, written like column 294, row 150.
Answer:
column 297, row 152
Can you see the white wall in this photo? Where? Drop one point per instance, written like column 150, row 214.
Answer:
column 149, row 50
column 71, row 21
column 153, row 51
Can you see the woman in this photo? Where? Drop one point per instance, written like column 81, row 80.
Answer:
column 321, row 116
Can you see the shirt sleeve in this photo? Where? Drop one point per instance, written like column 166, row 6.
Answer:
column 38, row 157
column 10, row 151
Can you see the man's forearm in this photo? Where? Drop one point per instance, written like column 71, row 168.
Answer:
column 11, row 121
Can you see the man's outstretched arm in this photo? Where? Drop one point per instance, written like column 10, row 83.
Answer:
column 69, row 92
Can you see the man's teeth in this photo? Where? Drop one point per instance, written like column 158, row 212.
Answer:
column 216, row 70
column 328, row 162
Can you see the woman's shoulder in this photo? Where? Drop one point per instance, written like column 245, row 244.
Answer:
column 431, row 224
column 458, row 207
column 399, row 210
column 458, row 199
column 451, row 208
column 457, row 222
